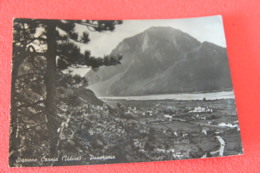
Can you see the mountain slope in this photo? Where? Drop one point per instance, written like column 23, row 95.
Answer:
column 163, row 60
column 205, row 69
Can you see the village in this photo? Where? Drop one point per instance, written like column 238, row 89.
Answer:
column 166, row 130
column 151, row 130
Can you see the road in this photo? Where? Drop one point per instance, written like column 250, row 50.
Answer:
column 221, row 148
column 222, row 145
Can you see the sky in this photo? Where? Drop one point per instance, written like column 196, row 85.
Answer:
column 202, row 28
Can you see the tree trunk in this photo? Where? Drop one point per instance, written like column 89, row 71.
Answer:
column 50, row 80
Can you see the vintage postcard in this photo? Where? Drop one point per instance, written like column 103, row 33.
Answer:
column 90, row 92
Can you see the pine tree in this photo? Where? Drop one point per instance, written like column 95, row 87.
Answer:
column 58, row 43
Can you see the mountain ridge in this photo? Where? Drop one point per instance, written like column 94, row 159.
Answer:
column 163, row 60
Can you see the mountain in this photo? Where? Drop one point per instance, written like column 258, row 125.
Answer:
column 163, row 60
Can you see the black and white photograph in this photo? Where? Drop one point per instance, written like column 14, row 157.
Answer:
column 88, row 92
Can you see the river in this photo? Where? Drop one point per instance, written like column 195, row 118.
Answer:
column 181, row 96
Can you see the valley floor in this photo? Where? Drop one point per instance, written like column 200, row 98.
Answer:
column 155, row 130
column 123, row 131
column 184, row 129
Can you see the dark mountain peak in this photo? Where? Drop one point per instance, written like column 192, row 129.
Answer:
column 157, row 31
column 158, row 37
column 209, row 44
column 213, row 50
column 162, row 29
column 163, row 60
column 165, row 32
